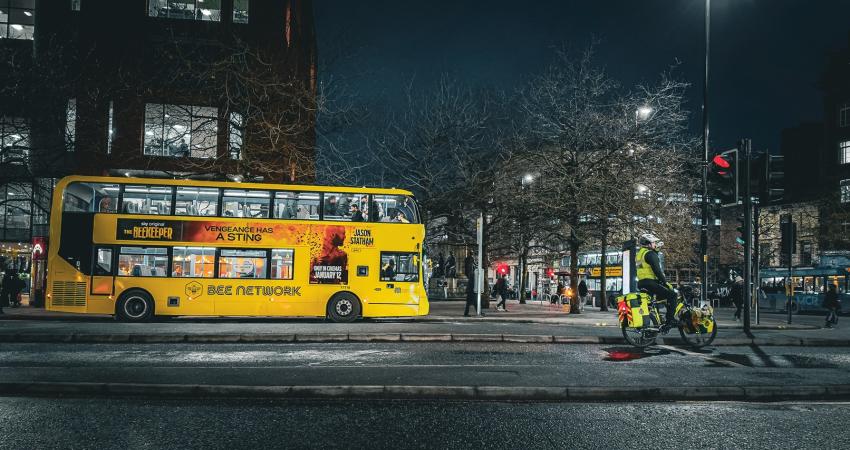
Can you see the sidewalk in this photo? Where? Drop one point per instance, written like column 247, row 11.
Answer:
column 529, row 323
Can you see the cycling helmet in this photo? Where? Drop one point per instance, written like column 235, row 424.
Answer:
column 648, row 238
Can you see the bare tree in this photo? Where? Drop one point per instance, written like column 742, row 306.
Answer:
column 598, row 145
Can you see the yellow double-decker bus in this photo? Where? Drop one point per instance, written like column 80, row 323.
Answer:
column 139, row 248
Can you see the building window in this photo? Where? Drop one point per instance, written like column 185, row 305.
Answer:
column 236, row 126
column 242, row 264
column 14, row 141
column 240, row 11
column 206, row 10
column 844, row 152
column 181, row 131
column 17, row 19
column 71, row 125
column 845, row 191
column 844, row 115
column 110, row 131
column 288, row 24
column 75, row 5
column 15, row 211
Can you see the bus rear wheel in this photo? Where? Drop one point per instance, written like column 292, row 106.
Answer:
column 134, row 305
column 344, row 307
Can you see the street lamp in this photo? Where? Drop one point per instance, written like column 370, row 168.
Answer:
column 644, row 112
column 526, row 179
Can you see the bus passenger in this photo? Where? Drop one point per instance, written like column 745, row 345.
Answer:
column 388, row 271
column 356, row 215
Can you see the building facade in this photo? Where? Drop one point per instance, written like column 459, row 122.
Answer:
column 187, row 88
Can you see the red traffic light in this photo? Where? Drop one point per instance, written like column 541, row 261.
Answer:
column 722, row 165
column 502, row 269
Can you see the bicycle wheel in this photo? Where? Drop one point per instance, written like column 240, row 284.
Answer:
column 699, row 340
column 640, row 337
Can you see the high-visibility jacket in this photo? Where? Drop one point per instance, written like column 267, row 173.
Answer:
column 644, row 270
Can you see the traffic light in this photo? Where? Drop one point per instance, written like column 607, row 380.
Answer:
column 773, row 180
column 723, row 177
column 502, row 269
column 741, row 239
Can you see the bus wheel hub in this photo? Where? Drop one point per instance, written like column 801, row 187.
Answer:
column 343, row 307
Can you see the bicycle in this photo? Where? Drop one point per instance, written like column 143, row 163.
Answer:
column 641, row 322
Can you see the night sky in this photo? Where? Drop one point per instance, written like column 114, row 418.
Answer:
column 766, row 55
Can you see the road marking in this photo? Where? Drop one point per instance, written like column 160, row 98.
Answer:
column 709, row 358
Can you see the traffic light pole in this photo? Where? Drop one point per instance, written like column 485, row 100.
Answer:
column 745, row 147
column 703, row 236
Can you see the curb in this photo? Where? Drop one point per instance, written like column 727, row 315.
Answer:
column 773, row 393
column 272, row 338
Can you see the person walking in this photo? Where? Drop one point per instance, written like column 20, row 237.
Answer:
column 831, row 303
column 737, row 295
column 469, row 271
column 9, row 289
column 451, row 269
column 501, row 289
column 582, row 291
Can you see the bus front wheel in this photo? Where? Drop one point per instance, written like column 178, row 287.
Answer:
column 344, row 307
column 134, row 305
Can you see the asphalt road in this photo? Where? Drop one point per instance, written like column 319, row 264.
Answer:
column 130, row 424
column 423, row 364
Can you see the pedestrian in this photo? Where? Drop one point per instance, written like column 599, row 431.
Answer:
column 737, row 295
column 469, row 269
column 831, row 303
column 9, row 285
column 501, row 289
column 582, row 291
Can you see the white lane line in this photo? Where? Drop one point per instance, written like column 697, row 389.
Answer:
column 709, row 358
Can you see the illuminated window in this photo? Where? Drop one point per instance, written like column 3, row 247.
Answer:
column 194, row 201
column 236, row 125
column 110, row 131
column 240, row 11
column 242, row 264
column 142, row 262
column 844, row 152
column 205, row 10
column 193, row 262
column 399, row 266
column 282, row 264
column 181, row 131
column 141, row 199
column 71, row 125
column 14, row 141
column 75, row 5
column 240, row 203
column 845, row 191
column 844, row 115
column 17, row 19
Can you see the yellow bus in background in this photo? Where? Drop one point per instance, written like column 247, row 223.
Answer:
column 139, row 248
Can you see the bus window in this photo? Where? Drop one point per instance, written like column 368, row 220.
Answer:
column 282, row 264
column 399, row 266
column 284, row 205
column 103, row 263
column 197, row 262
column 394, row 208
column 90, row 197
column 141, row 199
column 242, row 264
column 142, row 261
column 241, row 203
column 307, row 206
column 346, row 207
column 193, row 201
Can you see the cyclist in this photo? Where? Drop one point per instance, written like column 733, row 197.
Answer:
column 651, row 277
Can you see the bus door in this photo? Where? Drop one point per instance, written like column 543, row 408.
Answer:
column 398, row 277
column 102, row 280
